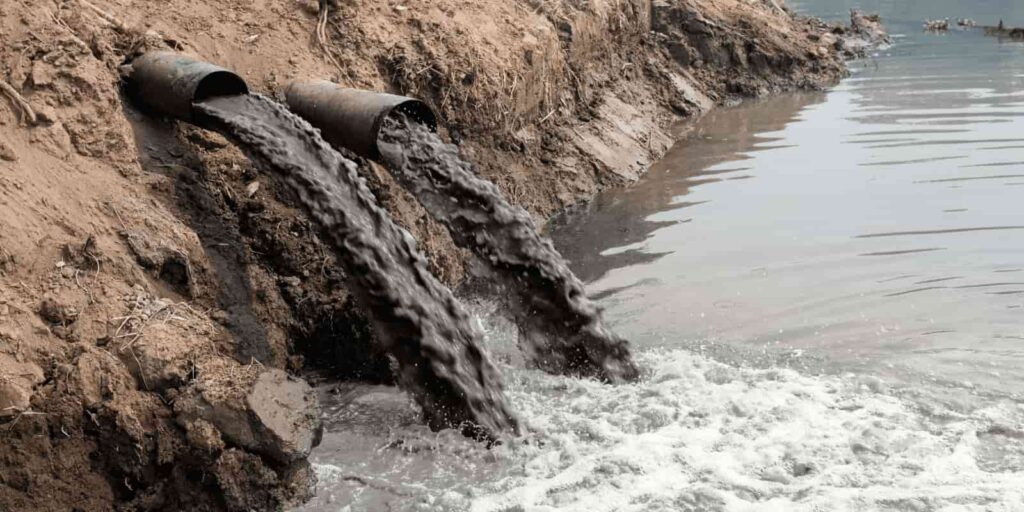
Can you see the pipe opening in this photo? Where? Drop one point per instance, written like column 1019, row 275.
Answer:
column 219, row 83
column 416, row 111
column 171, row 83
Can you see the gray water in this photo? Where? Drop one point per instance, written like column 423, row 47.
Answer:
column 878, row 226
column 560, row 328
column 820, row 291
column 417, row 320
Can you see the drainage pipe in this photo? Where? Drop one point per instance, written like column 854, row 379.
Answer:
column 352, row 118
column 171, row 83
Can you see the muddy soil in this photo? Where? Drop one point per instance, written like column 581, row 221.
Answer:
column 156, row 288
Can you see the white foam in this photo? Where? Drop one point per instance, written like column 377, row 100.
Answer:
column 699, row 435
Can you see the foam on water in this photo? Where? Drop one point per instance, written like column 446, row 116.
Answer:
column 698, row 435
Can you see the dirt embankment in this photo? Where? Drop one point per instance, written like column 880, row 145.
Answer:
column 155, row 288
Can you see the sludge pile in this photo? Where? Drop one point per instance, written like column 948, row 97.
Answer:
column 417, row 320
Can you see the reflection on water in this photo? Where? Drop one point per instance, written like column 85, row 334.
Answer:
column 868, row 226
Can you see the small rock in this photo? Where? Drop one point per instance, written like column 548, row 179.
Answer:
column 46, row 115
column 252, row 188
column 6, row 153
column 274, row 415
column 42, row 75
column 288, row 411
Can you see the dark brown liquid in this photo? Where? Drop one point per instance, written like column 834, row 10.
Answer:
column 562, row 328
column 416, row 318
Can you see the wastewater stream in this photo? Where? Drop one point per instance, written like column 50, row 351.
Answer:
column 417, row 320
column 561, row 329
column 823, row 292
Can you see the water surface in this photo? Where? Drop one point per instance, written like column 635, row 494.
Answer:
column 878, row 226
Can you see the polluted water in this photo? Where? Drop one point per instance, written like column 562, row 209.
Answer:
column 792, row 359
column 560, row 327
column 417, row 320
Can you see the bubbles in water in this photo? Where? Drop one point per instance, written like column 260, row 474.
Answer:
column 700, row 435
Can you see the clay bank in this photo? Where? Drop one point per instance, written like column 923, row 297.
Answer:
column 167, row 294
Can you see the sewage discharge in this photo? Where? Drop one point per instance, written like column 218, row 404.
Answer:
column 416, row 318
column 561, row 329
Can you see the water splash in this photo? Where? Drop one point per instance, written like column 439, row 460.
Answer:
column 698, row 435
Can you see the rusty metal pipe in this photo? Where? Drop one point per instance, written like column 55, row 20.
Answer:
column 352, row 118
column 171, row 83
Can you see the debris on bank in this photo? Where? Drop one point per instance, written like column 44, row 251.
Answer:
column 1001, row 31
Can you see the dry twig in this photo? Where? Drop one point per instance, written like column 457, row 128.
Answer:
column 118, row 24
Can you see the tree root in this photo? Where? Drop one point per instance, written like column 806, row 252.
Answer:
column 323, row 39
column 28, row 114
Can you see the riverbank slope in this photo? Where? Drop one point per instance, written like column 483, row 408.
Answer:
column 159, row 295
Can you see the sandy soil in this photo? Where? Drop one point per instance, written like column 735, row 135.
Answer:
column 154, row 285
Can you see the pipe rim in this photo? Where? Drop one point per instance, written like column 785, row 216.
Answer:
column 417, row 111
column 219, row 83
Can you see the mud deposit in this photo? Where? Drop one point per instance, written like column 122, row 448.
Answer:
column 417, row 319
column 562, row 329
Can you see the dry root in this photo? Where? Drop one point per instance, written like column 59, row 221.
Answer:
column 117, row 24
column 19, row 101
column 322, row 37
